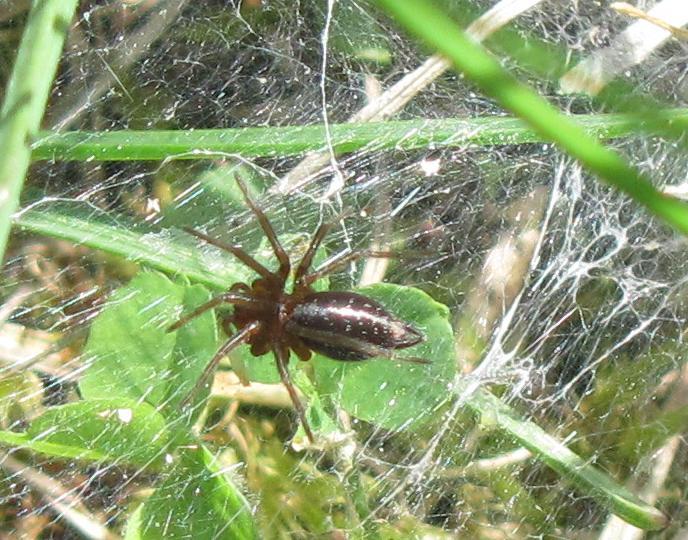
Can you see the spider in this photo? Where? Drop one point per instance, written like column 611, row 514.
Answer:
column 341, row 325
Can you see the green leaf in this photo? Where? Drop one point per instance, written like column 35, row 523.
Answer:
column 196, row 500
column 112, row 429
column 22, row 440
column 130, row 352
column 195, row 345
column 390, row 393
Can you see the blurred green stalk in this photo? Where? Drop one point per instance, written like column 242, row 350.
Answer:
column 436, row 29
column 26, row 97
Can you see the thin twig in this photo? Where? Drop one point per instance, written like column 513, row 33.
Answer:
column 227, row 386
column 632, row 11
column 629, row 48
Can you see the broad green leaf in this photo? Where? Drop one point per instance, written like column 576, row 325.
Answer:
column 121, row 429
column 131, row 354
column 195, row 345
column 196, row 500
column 129, row 350
column 396, row 394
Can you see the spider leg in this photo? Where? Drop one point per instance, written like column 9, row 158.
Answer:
column 340, row 261
column 282, row 357
column 307, row 259
column 237, row 251
column 237, row 363
column 234, row 341
column 282, row 257
column 224, row 298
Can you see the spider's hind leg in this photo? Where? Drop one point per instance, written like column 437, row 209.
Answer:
column 282, row 358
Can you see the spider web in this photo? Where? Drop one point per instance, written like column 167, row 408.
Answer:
column 566, row 299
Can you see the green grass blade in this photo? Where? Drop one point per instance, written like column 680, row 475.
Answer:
column 437, row 30
column 605, row 489
column 171, row 253
column 26, row 98
column 22, row 440
column 295, row 140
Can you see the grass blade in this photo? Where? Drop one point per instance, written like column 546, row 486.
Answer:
column 295, row 140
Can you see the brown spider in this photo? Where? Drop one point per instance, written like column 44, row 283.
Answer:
column 342, row 325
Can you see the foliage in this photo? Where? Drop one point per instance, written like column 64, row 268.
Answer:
column 585, row 346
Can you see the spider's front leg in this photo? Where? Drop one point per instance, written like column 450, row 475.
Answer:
column 224, row 298
column 242, row 336
column 282, row 257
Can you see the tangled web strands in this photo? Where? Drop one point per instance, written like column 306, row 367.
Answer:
column 529, row 279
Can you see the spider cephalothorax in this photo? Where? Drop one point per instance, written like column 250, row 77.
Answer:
column 342, row 325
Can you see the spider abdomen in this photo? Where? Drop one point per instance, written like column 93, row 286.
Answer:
column 349, row 326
